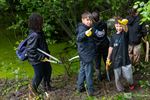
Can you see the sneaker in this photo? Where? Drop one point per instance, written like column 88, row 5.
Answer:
column 82, row 90
column 90, row 93
column 131, row 87
column 48, row 89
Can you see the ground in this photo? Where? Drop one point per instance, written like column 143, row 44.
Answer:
column 65, row 88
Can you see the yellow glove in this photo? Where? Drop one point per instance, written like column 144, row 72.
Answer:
column 123, row 21
column 88, row 33
column 108, row 63
column 45, row 59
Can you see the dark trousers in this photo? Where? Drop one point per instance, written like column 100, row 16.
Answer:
column 42, row 71
column 101, row 52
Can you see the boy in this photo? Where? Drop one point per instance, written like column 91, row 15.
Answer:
column 102, row 42
column 42, row 69
column 118, row 54
column 86, row 50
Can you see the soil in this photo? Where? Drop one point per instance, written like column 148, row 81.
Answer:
column 65, row 89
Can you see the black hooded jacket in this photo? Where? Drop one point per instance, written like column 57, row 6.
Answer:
column 36, row 40
column 86, row 45
column 101, row 26
column 136, row 30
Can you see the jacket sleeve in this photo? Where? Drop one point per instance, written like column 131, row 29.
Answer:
column 32, row 47
column 81, row 34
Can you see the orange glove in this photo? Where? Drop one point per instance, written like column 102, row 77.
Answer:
column 108, row 63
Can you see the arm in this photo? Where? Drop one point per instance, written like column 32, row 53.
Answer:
column 108, row 62
column 110, row 49
column 81, row 36
column 83, row 33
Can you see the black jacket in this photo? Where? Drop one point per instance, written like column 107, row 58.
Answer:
column 136, row 30
column 86, row 45
column 36, row 40
column 102, row 40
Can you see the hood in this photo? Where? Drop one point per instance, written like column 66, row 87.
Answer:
column 81, row 24
column 133, row 19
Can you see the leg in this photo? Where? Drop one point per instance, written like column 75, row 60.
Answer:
column 136, row 53
column 98, row 64
column 81, row 77
column 38, row 75
column 47, row 76
column 127, row 73
column 104, row 54
column 89, row 77
column 130, row 50
column 98, row 60
column 117, row 73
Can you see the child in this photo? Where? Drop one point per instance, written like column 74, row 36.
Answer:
column 118, row 54
column 136, row 32
column 86, row 50
column 102, row 42
column 42, row 69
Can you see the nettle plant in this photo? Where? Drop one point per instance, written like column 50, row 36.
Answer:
column 144, row 9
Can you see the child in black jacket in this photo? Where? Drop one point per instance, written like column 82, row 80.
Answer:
column 101, row 41
column 86, row 50
column 42, row 69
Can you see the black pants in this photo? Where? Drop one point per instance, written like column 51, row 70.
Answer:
column 42, row 71
column 101, row 52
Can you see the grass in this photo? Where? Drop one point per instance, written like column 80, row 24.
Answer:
column 11, row 67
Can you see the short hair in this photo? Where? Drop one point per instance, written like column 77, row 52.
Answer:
column 117, row 18
column 35, row 22
column 86, row 15
column 95, row 16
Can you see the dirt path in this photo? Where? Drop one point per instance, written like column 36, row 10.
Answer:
column 65, row 89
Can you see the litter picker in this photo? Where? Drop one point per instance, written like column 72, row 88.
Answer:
column 55, row 60
column 75, row 57
column 107, row 72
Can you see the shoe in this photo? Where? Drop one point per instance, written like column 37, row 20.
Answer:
column 98, row 74
column 132, row 87
column 33, row 91
column 91, row 93
column 82, row 90
column 48, row 88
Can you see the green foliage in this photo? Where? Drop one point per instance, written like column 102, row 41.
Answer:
column 144, row 83
column 118, row 6
column 144, row 10
column 3, row 5
column 61, row 16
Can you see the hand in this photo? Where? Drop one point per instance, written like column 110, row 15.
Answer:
column 125, row 28
column 88, row 33
column 108, row 63
column 45, row 59
column 124, row 23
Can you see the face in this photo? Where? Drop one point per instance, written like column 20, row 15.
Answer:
column 118, row 27
column 87, row 21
